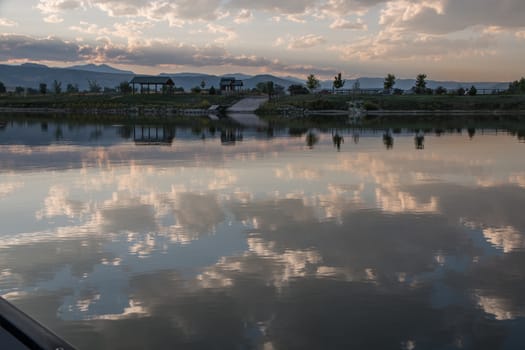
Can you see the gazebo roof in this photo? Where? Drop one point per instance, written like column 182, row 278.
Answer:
column 144, row 79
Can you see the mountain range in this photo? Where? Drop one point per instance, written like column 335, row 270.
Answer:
column 31, row 75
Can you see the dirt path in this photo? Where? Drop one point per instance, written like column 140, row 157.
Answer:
column 248, row 104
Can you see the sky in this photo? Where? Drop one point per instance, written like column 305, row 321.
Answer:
column 464, row 40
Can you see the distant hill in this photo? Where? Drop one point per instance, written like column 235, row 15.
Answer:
column 102, row 68
column 31, row 75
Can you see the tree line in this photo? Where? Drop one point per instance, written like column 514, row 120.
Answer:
column 420, row 86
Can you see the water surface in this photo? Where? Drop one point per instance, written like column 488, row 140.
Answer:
column 130, row 237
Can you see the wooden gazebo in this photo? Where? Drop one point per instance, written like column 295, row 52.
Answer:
column 150, row 84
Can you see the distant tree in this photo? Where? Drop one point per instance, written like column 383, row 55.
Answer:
column 517, row 86
column 461, row 91
column 421, row 84
column 109, row 90
column 94, row 86
column 472, row 91
column 266, row 87
column 31, row 91
column 212, row 91
column 357, row 85
column 196, row 90
column 2, row 88
column 19, row 90
column 72, row 89
column 339, row 82
column 203, row 84
column 278, row 90
column 312, row 82
column 57, row 87
column 390, row 81
column 42, row 88
column 124, row 87
column 297, row 89
column 440, row 90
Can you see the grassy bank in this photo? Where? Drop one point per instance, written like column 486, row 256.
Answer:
column 82, row 101
column 398, row 102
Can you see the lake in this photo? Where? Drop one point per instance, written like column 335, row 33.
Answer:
column 231, row 237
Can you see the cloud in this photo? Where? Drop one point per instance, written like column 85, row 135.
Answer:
column 306, row 41
column 341, row 23
column 13, row 46
column 5, row 22
column 227, row 34
column 444, row 16
column 339, row 8
column 176, row 13
column 396, row 46
column 244, row 16
column 296, row 7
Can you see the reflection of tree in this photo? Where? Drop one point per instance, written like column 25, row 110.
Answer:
column 311, row 139
column 59, row 134
column 471, row 132
column 355, row 136
column 388, row 140
column 521, row 135
column 95, row 134
column 125, row 131
column 419, row 141
column 231, row 136
column 338, row 139
column 43, row 126
column 297, row 132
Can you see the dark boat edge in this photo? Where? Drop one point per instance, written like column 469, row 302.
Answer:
column 28, row 331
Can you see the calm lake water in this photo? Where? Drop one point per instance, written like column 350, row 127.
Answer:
column 133, row 237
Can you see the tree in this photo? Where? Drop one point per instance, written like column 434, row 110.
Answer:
column 461, row 91
column 440, row 90
column 196, row 90
column 266, row 87
column 124, row 87
column 94, row 86
column 338, row 82
column 57, row 87
column 297, row 89
column 278, row 90
column 517, row 86
column 71, row 89
column 19, row 90
column 42, row 88
column 2, row 88
column 390, row 81
column 472, row 91
column 312, row 82
column 203, row 84
column 421, row 84
column 212, row 90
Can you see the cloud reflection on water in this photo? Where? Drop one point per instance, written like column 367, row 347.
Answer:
column 339, row 246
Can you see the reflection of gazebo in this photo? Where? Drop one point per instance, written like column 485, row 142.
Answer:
column 147, row 82
column 145, row 135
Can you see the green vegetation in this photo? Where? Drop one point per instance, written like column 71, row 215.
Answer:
column 110, row 101
column 390, row 81
column 339, row 82
column 398, row 102
column 312, row 82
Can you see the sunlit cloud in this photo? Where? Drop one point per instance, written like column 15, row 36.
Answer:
column 5, row 22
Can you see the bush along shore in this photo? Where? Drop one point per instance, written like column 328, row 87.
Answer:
column 377, row 105
column 125, row 105
column 164, row 106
